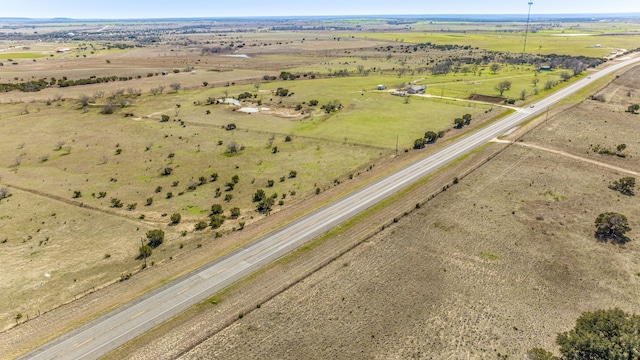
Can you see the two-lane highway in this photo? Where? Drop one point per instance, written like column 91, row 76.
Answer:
column 129, row 321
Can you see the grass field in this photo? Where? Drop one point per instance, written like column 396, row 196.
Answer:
column 496, row 265
column 71, row 162
column 538, row 43
column 21, row 55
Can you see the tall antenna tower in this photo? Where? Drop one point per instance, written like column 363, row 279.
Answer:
column 526, row 32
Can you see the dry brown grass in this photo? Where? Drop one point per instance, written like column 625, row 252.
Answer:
column 496, row 265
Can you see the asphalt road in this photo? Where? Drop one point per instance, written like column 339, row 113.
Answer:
column 123, row 324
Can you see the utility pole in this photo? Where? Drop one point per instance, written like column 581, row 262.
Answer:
column 397, row 137
column 526, row 32
column 144, row 253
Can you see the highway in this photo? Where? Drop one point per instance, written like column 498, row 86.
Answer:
column 123, row 324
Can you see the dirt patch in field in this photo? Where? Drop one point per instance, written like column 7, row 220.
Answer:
column 487, row 98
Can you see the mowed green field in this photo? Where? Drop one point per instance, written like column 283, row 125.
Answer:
column 537, row 43
column 21, row 55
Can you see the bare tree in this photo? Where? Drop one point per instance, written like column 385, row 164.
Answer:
column 4, row 193
column 134, row 92
column 503, row 86
column 494, row 68
column 175, row 86
column 108, row 108
column 84, row 100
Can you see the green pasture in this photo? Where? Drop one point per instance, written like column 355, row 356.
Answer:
column 380, row 119
column 21, row 55
column 537, row 43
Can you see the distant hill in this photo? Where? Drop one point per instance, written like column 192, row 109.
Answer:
column 412, row 17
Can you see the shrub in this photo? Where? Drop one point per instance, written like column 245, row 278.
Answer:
column 625, row 185
column 155, row 237
column 217, row 221
column 259, row 195
column 166, row 171
column 201, row 225
column 175, row 218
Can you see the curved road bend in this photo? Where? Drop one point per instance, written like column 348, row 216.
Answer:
column 123, row 324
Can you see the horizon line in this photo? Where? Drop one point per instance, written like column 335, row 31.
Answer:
column 598, row 14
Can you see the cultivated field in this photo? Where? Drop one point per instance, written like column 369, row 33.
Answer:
column 497, row 265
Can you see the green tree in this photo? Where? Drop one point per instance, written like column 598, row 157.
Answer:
column 235, row 212
column 419, row 143
column 430, row 137
column 458, row 123
column 155, row 237
column 217, row 221
column 216, row 209
column 633, row 108
column 502, row 87
column 602, row 334
column 145, row 251
column 201, row 225
column 612, row 226
column 625, row 185
column 259, row 195
column 467, row 119
column 265, row 205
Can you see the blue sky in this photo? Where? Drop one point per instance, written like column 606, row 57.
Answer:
column 123, row 9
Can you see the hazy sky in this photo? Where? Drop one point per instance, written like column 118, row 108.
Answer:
column 123, row 9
